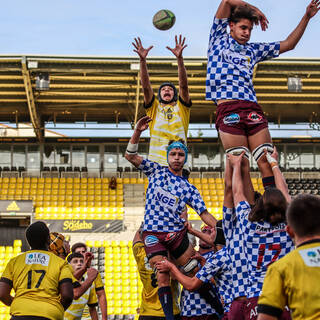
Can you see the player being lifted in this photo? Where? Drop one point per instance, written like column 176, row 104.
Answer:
column 170, row 113
column 231, row 60
column 42, row 281
column 167, row 195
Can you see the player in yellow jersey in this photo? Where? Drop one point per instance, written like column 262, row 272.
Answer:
column 99, row 286
column 42, row 281
column 75, row 311
column 294, row 280
column 60, row 247
column 169, row 112
column 150, row 307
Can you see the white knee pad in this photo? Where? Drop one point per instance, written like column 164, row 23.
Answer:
column 258, row 152
column 238, row 150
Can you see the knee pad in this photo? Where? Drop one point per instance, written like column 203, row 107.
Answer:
column 190, row 265
column 238, row 150
column 258, row 152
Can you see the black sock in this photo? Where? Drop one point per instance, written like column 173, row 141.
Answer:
column 165, row 297
column 268, row 182
column 209, row 293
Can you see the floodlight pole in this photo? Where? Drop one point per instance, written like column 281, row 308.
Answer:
column 137, row 99
column 30, row 99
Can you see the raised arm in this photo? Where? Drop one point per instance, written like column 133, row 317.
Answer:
column 144, row 75
column 228, row 196
column 298, row 32
column 237, row 183
column 226, row 6
column 279, row 179
column 208, row 219
column 132, row 150
column 182, row 72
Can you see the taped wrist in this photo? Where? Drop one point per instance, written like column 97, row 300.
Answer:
column 132, row 148
column 273, row 162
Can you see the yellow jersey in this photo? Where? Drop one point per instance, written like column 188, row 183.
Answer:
column 169, row 122
column 294, row 280
column 98, row 284
column 75, row 311
column 150, row 303
column 35, row 277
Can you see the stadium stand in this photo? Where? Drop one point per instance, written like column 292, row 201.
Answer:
column 6, row 253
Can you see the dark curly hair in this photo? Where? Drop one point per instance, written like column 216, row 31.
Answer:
column 271, row 207
column 243, row 12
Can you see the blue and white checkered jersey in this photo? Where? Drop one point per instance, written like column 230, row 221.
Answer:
column 167, row 196
column 264, row 244
column 191, row 303
column 219, row 267
column 236, row 251
column 228, row 221
column 230, row 65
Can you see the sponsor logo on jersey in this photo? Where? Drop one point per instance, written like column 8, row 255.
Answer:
column 37, row 258
column 311, row 257
column 150, row 241
column 165, row 198
column 232, row 118
column 253, row 116
column 170, row 236
column 236, row 58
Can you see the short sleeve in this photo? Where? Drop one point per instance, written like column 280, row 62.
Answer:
column 272, row 299
column 218, row 29
column 212, row 266
column 138, row 250
column 266, row 51
column 7, row 275
column 98, row 283
column 93, row 300
column 196, row 202
column 149, row 167
column 65, row 273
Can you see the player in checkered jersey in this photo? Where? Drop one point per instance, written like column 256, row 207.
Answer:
column 167, row 195
column 234, row 244
column 263, row 228
column 231, row 60
column 215, row 268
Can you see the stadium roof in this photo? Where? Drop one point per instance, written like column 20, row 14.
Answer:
column 107, row 89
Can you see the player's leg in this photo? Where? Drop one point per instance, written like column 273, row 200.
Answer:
column 236, row 144
column 182, row 250
column 156, row 252
column 258, row 142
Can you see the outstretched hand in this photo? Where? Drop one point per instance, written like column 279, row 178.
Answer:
column 235, row 159
column 164, row 266
column 143, row 123
column 313, row 8
column 180, row 46
column 139, row 49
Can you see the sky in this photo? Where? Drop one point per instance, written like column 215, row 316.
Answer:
column 107, row 28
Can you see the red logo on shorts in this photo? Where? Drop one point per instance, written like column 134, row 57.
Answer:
column 253, row 116
column 170, row 236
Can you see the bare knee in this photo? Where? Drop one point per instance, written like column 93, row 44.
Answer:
column 163, row 279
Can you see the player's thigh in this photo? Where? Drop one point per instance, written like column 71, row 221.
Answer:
column 232, row 140
column 186, row 256
column 259, row 138
column 163, row 278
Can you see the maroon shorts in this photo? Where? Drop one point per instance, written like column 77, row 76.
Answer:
column 237, row 310
column 240, row 117
column 204, row 317
column 251, row 312
column 225, row 316
column 162, row 243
